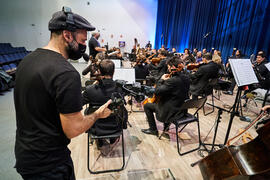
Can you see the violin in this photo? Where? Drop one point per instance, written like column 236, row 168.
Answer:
column 156, row 60
column 150, row 57
column 192, row 66
column 178, row 69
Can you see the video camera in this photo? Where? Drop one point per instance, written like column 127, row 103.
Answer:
column 136, row 90
column 118, row 101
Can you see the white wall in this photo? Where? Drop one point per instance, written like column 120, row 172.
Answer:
column 25, row 22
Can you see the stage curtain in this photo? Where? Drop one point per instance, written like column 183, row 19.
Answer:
column 222, row 24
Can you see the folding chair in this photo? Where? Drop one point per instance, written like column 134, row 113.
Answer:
column 92, row 137
column 188, row 118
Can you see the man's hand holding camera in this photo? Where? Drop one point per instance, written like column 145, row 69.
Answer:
column 103, row 111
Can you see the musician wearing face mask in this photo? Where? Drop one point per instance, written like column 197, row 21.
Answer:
column 171, row 92
column 48, row 102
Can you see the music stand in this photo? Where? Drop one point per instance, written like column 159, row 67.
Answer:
column 244, row 75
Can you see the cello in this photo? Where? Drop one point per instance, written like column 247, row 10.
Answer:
column 240, row 162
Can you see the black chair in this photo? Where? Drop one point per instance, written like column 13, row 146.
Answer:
column 116, row 135
column 92, row 137
column 187, row 118
column 221, row 85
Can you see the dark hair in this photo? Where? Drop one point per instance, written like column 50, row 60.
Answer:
column 187, row 50
column 175, row 60
column 207, row 56
column 55, row 33
column 262, row 54
column 164, row 52
column 106, row 67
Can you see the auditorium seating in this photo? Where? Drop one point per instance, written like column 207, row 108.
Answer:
column 11, row 56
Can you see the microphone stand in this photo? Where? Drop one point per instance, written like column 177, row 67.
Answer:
column 218, row 120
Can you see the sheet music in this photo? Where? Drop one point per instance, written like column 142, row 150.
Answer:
column 267, row 65
column 243, row 72
column 125, row 74
column 117, row 63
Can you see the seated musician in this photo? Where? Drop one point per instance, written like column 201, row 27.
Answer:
column 262, row 71
column 93, row 66
column 171, row 90
column 115, row 54
column 162, row 66
column 97, row 94
column 188, row 58
column 153, row 71
column 199, row 57
column 141, row 68
column 200, row 79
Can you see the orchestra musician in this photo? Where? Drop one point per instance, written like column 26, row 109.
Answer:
column 97, row 94
column 172, row 92
column 188, row 58
column 200, row 79
column 93, row 67
column 262, row 71
column 141, row 68
column 162, row 66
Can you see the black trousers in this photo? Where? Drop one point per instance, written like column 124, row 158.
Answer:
column 232, row 85
column 150, row 109
column 64, row 171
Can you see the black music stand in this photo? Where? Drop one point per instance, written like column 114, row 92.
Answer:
column 244, row 75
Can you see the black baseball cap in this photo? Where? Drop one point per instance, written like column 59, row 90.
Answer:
column 62, row 20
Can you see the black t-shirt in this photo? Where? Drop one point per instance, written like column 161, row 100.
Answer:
column 93, row 43
column 46, row 85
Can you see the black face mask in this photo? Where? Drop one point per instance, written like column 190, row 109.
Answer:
column 74, row 53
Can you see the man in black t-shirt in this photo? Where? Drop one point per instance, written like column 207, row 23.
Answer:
column 94, row 46
column 48, row 103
